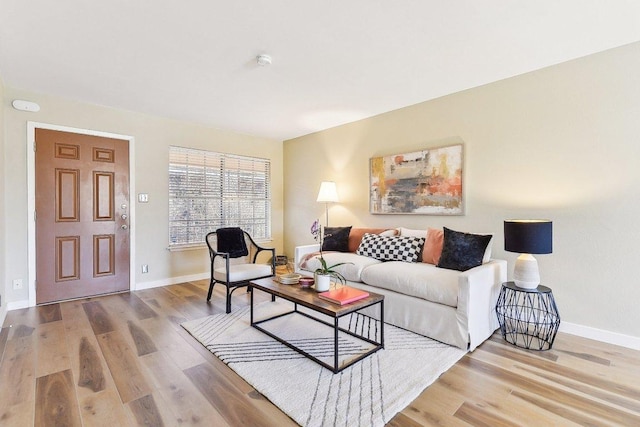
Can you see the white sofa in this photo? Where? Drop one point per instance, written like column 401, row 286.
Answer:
column 454, row 307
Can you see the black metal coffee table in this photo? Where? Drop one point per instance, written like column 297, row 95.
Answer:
column 309, row 298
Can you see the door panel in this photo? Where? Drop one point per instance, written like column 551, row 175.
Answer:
column 82, row 215
column 104, row 255
column 67, row 258
column 67, row 193
column 103, row 196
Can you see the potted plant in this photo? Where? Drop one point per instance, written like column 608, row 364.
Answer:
column 324, row 273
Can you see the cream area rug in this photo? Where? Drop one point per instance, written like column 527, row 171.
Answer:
column 368, row 393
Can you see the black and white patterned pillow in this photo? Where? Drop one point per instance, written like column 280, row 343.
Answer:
column 396, row 248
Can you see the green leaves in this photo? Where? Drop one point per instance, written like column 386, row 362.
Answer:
column 329, row 270
column 316, row 232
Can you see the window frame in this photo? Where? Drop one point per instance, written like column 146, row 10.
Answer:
column 210, row 189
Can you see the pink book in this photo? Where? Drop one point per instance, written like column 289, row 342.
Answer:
column 343, row 295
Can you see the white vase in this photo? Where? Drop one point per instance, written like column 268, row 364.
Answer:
column 323, row 282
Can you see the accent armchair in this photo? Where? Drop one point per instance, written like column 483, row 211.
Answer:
column 233, row 254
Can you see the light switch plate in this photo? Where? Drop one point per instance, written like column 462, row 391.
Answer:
column 143, row 197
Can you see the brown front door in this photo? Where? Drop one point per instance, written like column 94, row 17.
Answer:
column 82, row 215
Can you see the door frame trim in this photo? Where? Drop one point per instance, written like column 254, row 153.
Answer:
column 31, row 197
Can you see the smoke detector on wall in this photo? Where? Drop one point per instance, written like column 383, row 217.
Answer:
column 263, row 60
column 29, row 106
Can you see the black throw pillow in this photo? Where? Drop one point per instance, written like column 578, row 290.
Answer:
column 462, row 251
column 336, row 239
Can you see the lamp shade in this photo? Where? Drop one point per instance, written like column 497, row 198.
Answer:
column 528, row 236
column 328, row 192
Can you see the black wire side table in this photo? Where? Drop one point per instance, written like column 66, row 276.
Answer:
column 528, row 318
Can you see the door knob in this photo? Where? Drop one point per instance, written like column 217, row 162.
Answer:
column 124, row 226
column 123, row 216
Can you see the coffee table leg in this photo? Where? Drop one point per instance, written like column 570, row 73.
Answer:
column 382, row 323
column 335, row 348
column 251, row 309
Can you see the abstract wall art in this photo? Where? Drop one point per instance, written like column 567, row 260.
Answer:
column 427, row 182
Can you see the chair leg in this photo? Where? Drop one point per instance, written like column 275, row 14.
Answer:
column 213, row 282
column 228, row 301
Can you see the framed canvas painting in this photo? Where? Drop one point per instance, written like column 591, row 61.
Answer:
column 427, row 182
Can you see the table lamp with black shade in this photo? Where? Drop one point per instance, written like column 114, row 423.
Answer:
column 527, row 237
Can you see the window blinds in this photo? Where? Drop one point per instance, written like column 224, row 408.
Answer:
column 209, row 190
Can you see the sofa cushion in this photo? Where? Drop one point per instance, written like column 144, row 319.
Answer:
column 422, row 233
column 396, row 248
column 241, row 272
column 355, row 236
column 433, row 243
column 351, row 271
column 433, row 246
column 487, row 253
column 412, row 232
column 336, row 239
column 462, row 251
column 419, row 280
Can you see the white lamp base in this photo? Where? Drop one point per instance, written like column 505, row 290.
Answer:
column 526, row 274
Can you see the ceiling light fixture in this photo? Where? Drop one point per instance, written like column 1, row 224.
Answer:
column 263, row 60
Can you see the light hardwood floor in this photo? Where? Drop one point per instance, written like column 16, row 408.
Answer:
column 123, row 360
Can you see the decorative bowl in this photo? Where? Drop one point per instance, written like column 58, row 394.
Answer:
column 306, row 282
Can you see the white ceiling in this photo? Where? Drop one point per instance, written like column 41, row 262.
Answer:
column 334, row 61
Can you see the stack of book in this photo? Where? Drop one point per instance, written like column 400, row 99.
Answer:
column 343, row 295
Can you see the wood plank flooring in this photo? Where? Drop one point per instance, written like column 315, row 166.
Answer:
column 124, row 360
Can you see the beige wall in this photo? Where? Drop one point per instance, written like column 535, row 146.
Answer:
column 153, row 136
column 4, row 282
column 561, row 143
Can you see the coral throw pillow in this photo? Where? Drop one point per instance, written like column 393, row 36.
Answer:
column 433, row 246
column 355, row 237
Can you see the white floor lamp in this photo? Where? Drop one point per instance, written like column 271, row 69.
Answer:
column 327, row 194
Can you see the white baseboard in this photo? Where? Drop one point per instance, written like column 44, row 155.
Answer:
column 600, row 335
column 17, row 305
column 3, row 315
column 170, row 281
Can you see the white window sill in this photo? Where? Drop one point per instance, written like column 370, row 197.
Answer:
column 180, row 248
column 199, row 246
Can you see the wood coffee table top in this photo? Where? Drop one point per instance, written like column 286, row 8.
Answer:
column 308, row 297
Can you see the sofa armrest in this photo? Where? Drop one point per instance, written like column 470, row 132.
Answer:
column 478, row 290
column 301, row 252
